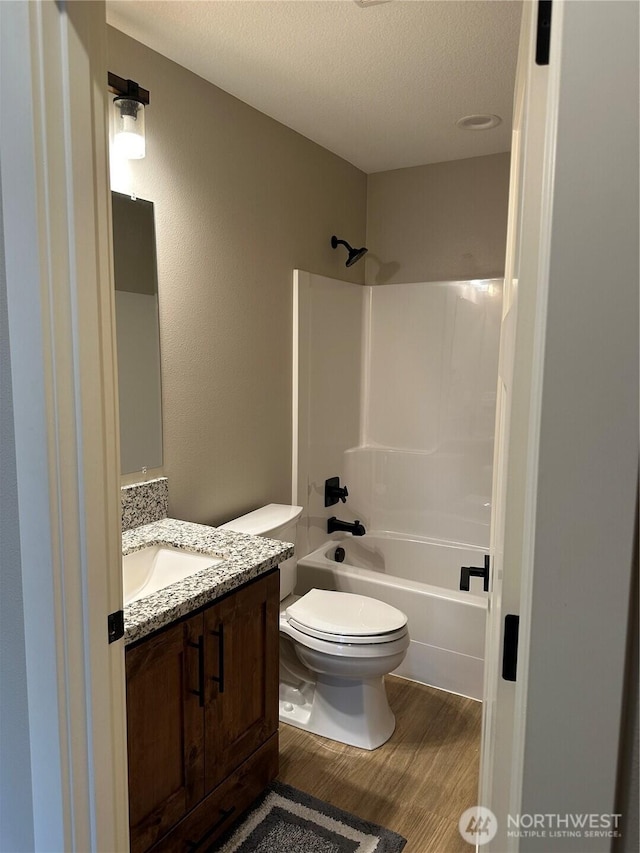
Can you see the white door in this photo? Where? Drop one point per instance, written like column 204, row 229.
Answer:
column 518, row 378
column 71, row 738
column 566, row 450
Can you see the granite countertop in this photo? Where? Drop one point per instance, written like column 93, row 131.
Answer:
column 245, row 558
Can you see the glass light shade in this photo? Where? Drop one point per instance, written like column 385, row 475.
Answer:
column 128, row 138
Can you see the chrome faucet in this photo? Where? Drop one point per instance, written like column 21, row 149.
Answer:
column 334, row 525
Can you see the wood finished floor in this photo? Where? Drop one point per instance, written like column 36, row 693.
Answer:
column 417, row 784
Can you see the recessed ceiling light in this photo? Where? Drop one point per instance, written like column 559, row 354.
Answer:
column 364, row 4
column 479, row 122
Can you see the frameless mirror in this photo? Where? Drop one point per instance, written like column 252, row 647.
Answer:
column 137, row 333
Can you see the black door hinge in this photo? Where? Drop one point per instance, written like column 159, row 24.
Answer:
column 543, row 35
column 510, row 647
column 115, row 625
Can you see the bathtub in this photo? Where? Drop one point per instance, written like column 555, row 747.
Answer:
column 421, row 578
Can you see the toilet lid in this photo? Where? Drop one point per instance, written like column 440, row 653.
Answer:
column 344, row 614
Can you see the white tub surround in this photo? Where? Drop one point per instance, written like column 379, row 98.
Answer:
column 395, row 393
column 244, row 558
column 443, row 496
column 420, row 578
column 328, row 360
column 143, row 503
column 423, row 466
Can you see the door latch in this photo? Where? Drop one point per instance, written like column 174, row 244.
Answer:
column 115, row 626
column 510, row 647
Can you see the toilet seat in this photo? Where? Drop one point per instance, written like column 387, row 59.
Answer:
column 346, row 617
column 334, row 612
column 365, row 640
column 341, row 649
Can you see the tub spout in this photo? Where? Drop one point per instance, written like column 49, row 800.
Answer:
column 334, row 524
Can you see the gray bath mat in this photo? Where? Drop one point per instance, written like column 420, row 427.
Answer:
column 285, row 820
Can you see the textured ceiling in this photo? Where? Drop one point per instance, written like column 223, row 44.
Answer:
column 381, row 86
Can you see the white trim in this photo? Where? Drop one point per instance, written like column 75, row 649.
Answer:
column 60, row 304
column 295, row 393
column 552, row 83
column 365, row 386
column 503, row 419
column 521, row 366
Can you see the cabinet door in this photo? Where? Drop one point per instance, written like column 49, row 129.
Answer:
column 165, row 730
column 241, row 712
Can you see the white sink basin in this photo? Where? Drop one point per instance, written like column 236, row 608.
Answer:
column 154, row 568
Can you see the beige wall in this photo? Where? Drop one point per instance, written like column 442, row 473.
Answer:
column 440, row 222
column 240, row 201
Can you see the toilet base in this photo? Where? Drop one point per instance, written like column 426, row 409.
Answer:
column 355, row 712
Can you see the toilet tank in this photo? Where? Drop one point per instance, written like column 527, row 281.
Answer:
column 274, row 521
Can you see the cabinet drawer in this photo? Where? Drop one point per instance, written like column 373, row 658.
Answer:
column 215, row 814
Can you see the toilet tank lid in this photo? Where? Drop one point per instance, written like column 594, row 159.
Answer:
column 345, row 613
column 262, row 521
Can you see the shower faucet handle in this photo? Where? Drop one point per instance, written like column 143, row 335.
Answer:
column 333, row 492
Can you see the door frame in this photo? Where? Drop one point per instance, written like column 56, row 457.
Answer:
column 520, row 401
column 57, row 241
column 576, row 477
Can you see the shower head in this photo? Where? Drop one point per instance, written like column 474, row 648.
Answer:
column 354, row 254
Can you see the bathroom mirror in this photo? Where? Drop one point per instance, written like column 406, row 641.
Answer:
column 137, row 333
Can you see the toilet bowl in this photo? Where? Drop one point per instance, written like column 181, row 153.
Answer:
column 335, row 649
column 348, row 643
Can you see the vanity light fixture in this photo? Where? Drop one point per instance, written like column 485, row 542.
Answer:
column 129, row 104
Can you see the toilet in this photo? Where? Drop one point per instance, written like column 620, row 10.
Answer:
column 335, row 648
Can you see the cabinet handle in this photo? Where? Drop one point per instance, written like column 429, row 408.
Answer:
column 219, row 678
column 224, row 814
column 200, row 647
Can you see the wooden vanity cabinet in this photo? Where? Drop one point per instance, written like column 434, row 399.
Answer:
column 202, row 718
column 165, row 731
column 241, row 711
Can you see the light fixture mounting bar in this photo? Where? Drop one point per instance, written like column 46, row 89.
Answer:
column 126, row 88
